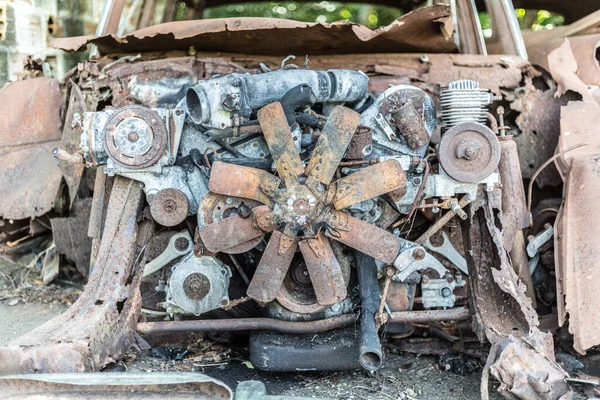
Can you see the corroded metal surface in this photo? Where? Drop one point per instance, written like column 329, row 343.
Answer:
column 230, row 232
column 272, row 267
column 30, row 181
column 368, row 183
column 364, row 237
column 30, row 112
column 133, row 151
column 332, row 145
column 361, row 144
column 169, row 207
column 324, row 270
column 514, row 207
column 469, row 152
column 577, row 229
column 420, row 30
column 246, row 324
column 30, row 126
column 305, row 204
column 114, row 385
column 99, row 325
column 240, row 181
column 279, row 139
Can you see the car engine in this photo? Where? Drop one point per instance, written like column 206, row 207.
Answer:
column 297, row 195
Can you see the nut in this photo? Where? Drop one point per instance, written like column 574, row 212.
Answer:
column 418, row 254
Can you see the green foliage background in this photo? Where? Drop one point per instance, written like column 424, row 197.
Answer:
column 372, row 16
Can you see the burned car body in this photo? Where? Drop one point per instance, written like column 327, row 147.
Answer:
column 293, row 196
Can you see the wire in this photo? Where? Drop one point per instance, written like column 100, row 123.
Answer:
column 544, row 165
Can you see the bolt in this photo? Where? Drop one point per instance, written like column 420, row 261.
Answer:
column 133, row 137
column 169, row 206
column 446, row 292
column 454, row 206
column 244, row 211
column 435, row 210
column 418, row 254
column 229, row 200
column 470, row 153
column 336, row 307
column 181, row 243
column 416, row 180
column 425, row 279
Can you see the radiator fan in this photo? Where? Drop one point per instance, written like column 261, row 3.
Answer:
column 303, row 207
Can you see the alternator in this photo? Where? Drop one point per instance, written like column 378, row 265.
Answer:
column 198, row 285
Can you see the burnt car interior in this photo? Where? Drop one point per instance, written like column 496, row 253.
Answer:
column 314, row 190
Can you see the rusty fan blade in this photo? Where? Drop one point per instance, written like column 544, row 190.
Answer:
column 235, row 180
column 364, row 237
column 369, row 182
column 324, row 270
column 332, row 144
column 281, row 144
column 273, row 267
column 231, row 231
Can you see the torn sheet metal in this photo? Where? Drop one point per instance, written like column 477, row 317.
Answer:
column 422, row 30
column 578, row 225
column 30, row 125
column 30, row 112
column 30, row 181
column 527, row 374
column 503, row 314
column 114, row 385
column 500, row 306
column 541, row 44
column 563, row 68
column 100, row 324
column 538, row 121
column 70, row 235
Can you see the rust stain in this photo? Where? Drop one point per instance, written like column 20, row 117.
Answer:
column 576, row 227
column 368, row 183
column 101, row 323
column 421, row 30
column 30, row 112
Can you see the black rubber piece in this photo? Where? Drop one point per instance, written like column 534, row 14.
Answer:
column 328, row 351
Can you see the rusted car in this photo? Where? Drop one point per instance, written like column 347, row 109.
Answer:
column 376, row 185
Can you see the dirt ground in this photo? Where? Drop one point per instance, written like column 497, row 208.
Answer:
column 404, row 375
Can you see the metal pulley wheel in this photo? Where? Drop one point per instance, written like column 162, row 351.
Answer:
column 215, row 207
column 169, row 207
column 469, row 152
column 135, row 137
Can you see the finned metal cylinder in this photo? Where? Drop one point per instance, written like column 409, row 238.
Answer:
column 464, row 101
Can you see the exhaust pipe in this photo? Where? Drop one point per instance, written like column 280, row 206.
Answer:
column 370, row 355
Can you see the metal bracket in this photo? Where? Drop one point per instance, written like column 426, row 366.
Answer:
column 179, row 245
column 447, row 250
column 416, row 258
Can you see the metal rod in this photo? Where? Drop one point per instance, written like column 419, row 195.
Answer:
column 246, row 324
column 453, row 314
column 441, row 222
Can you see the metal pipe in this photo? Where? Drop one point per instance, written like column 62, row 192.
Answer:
column 246, row 324
column 370, row 356
column 415, row 317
